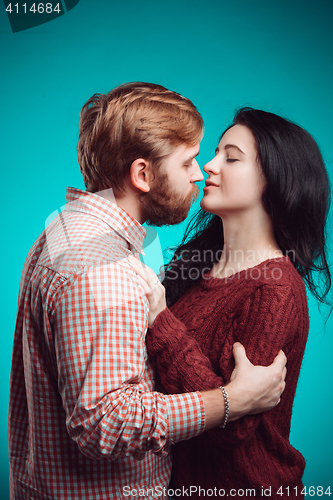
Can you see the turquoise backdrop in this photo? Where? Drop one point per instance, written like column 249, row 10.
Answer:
column 222, row 54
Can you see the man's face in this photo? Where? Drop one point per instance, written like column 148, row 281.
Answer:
column 173, row 190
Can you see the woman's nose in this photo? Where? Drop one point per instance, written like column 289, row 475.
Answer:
column 211, row 167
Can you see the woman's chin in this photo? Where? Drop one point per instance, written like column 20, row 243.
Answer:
column 202, row 204
column 205, row 206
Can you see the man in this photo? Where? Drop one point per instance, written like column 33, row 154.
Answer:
column 85, row 421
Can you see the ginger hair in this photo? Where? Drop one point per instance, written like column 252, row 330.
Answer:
column 134, row 120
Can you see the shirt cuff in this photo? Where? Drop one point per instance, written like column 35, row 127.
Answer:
column 186, row 416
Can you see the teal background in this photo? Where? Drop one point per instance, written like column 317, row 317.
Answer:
column 222, row 54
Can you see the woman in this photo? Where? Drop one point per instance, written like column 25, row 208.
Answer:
column 239, row 276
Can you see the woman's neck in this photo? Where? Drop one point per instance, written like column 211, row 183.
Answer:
column 248, row 241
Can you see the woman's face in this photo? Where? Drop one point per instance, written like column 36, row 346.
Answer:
column 236, row 182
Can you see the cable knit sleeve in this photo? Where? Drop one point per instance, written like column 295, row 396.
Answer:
column 264, row 323
column 182, row 365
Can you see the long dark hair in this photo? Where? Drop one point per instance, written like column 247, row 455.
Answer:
column 296, row 197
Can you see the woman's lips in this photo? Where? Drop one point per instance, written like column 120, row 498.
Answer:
column 209, row 186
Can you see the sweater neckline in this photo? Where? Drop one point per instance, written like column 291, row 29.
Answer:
column 211, row 281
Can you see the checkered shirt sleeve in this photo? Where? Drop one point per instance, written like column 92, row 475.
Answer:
column 99, row 321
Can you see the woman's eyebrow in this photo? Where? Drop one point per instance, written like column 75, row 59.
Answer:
column 228, row 146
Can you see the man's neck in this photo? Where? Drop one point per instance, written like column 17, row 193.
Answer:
column 127, row 202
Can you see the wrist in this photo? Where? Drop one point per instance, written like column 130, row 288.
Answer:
column 238, row 402
column 153, row 315
column 214, row 408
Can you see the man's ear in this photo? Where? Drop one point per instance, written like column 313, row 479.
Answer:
column 141, row 175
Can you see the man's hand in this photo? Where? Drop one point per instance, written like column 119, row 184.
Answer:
column 255, row 389
column 252, row 389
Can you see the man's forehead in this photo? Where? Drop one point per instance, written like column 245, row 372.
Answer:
column 187, row 151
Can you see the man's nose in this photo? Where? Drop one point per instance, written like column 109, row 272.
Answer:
column 197, row 174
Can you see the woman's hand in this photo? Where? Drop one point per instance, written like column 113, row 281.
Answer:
column 152, row 286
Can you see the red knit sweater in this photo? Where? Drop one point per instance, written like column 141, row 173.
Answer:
column 264, row 308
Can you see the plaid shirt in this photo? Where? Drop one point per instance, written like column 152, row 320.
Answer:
column 84, row 420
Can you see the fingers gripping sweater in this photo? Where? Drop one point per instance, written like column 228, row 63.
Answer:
column 264, row 308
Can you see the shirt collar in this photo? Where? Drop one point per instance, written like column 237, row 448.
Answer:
column 115, row 217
